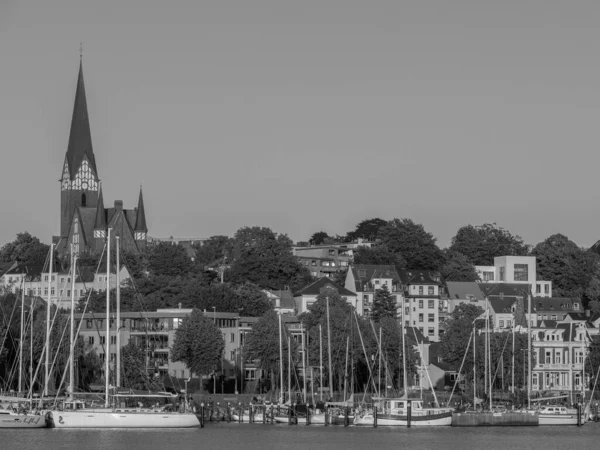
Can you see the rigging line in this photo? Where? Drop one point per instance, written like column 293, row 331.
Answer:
column 7, row 326
column 502, row 353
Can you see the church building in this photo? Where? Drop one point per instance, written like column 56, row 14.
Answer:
column 84, row 220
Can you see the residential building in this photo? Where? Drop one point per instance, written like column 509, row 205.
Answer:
column 366, row 279
column 464, row 292
column 57, row 285
column 84, row 221
column 282, row 300
column 422, row 294
column 515, row 269
column 327, row 259
column 558, row 356
column 308, row 294
column 557, row 308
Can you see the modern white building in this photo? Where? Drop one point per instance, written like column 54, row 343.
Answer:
column 515, row 269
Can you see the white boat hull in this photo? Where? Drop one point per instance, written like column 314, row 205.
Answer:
column 558, row 419
column 22, row 421
column 416, row 421
column 120, row 419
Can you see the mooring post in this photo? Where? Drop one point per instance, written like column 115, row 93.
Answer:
column 272, row 416
column 346, row 414
column 251, row 413
column 374, row 416
column 408, row 413
column 578, row 414
column 326, row 415
column 202, row 415
column 241, row 413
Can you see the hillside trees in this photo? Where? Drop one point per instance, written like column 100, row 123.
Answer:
column 458, row 268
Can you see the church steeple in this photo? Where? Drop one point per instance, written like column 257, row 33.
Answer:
column 80, row 137
column 100, row 222
column 140, row 219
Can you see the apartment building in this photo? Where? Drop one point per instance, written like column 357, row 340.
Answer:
column 366, row 279
column 57, row 284
column 325, row 260
column 422, row 293
column 515, row 269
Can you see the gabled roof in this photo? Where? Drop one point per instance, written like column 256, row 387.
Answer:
column 316, row 287
column 502, row 305
column 100, row 221
column 464, row 290
column 80, row 136
column 364, row 273
column 411, row 276
column 31, row 272
column 514, row 289
column 286, row 299
column 553, row 304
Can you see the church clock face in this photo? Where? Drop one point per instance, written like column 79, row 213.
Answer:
column 84, row 185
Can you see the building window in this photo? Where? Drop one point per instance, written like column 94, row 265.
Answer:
column 113, row 340
column 509, row 323
column 553, row 316
column 313, row 263
column 52, row 290
column 88, row 324
column 102, row 340
column 62, row 292
column 407, row 323
column 557, row 358
column 502, row 269
column 548, row 357
column 431, row 331
column 365, row 298
column 46, row 291
column 420, row 317
column 431, row 290
column 420, row 290
column 407, row 310
column 421, row 304
column 501, row 323
column 68, row 292
column 45, row 277
column 521, row 272
column 538, row 288
column 575, row 305
column 231, row 337
column 546, row 289
column 431, row 318
column 376, row 281
column 431, row 304
column 91, row 340
column 113, row 357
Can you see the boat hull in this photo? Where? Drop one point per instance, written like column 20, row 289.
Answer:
column 22, row 421
column 117, row 419
column 494, row 419
column 429, row 420
column 558, row 419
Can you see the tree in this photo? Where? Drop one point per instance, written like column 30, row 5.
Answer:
column 169, row 260
column 25, row 249
column 318, row 238
column 570, row 268
column 481, row 243
column 262, row 344
column 409, row 239
column 252, row 300
column 458, row 268
column 379, row 255
column 264, row 258
column 384, row 304
column 367, row 229
column 594, row 307
column 458, row 328
column 133, row 367
column 212, row 250
column 198, row 344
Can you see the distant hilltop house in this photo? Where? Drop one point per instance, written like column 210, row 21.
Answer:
column 327, row 259
column 84, row 221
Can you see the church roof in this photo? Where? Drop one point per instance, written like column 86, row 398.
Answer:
column 80, row 137
column 140, row 220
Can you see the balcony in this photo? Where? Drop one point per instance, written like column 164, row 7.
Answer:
column 552, row 366
column 151, row 329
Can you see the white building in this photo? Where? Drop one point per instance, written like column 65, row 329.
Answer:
column 515, row 269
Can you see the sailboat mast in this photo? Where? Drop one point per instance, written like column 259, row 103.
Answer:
column 107, row 340
column 47, row 362
column 346, row 368
column 21, row 334
column 404, row 381
column 379, row 368
column 513, row 359
column 118, row 319
column 321, row 358
column 329, row 351
column 72, row 340
column 490, row 362
column 280, row 362
column 289, row 370
column 474, row 369
column 303, row 364
column 528, row 318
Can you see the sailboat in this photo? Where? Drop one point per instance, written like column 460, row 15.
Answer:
column 405, row 411
column 76, row 415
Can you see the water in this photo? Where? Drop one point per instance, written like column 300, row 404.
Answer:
column 286, row 437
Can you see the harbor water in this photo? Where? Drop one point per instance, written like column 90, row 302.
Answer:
column 285, row 437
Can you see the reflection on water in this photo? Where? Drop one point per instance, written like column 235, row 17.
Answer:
column 284, row 437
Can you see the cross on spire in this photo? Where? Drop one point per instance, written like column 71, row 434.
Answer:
column 80, row 51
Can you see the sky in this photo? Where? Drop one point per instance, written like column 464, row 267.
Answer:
column 308, row 115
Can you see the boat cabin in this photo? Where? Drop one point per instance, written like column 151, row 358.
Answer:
column 73, row 405
column 553, row 410
column 400, row 406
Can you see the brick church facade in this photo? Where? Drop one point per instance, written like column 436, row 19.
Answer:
column 84, row 220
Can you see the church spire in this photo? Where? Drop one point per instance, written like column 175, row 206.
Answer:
column 140, row 219
column 80, row 137
column 100, row 222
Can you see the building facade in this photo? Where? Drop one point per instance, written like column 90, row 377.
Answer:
column 422, row 292
column 366, row 279
column 515, row 269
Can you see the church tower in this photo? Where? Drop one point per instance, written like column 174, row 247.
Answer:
column 79, row 180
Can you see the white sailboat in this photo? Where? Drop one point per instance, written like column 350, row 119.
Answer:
column 74, row 413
